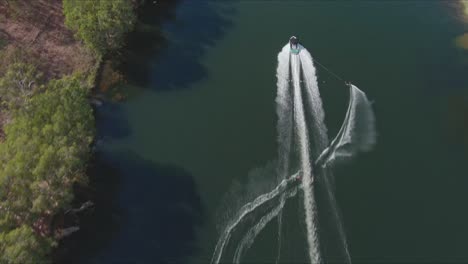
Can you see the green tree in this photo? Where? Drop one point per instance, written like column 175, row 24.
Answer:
column 21, row 245
column 45, row 152
column 18, row 83
column 101, row 24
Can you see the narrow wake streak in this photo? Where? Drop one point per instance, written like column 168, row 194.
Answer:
column 280, row 228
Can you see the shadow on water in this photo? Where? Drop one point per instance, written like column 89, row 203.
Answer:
column 111, row 122
column 144, row 213
column 147, row 40
column 170, row 59
column 98, row 224
column 147, row 212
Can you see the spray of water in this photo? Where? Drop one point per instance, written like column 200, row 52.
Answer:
column 356, row 134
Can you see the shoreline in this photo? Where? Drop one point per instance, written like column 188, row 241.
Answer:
column 110, row 76
column 37, row 34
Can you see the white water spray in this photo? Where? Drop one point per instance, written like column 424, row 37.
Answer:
column 356, row 134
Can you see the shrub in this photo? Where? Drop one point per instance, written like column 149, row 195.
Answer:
column 101, row 24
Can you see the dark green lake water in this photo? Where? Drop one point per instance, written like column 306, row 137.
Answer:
column 201, row 114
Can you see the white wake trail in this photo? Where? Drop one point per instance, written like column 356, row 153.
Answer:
column 250, row 236
column 284, row 125
column 314, row 101
column 245, row 210
column 307, row 180
column 284, row 112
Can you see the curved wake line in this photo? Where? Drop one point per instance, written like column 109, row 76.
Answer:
column 246, row 209
column 303, row 142
column 249, row 238
column 280, row 226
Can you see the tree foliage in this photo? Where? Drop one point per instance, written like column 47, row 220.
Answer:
column 21, row 245
column 101, row 24
column 44, row 154
column 18, row 83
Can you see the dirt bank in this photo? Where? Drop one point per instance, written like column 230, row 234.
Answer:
column 37, row 29
column 38, row 26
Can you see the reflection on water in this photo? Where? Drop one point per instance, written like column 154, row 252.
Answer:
column 464, row 5
column 462, row 41
column 457, row 117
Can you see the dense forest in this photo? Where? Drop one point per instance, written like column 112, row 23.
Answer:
column 48, row 123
